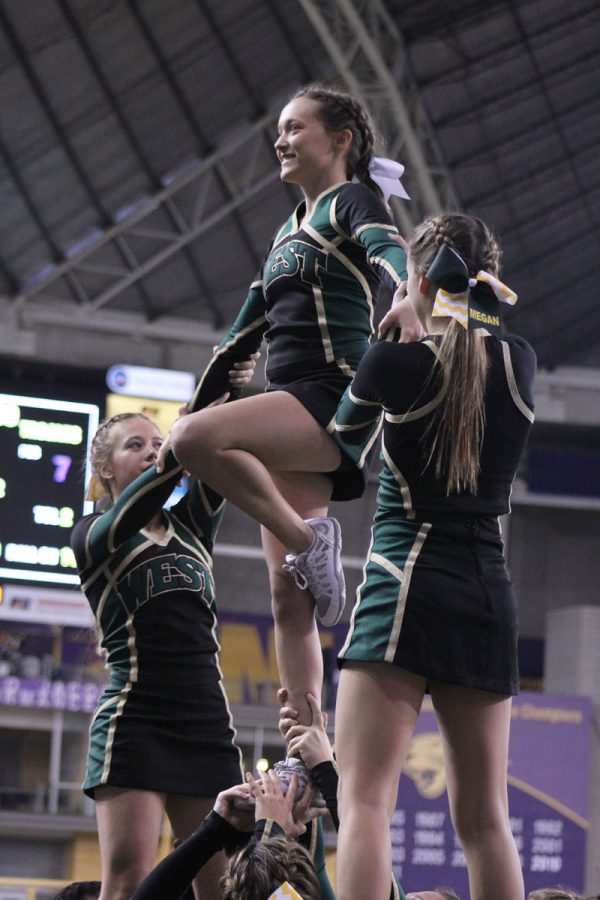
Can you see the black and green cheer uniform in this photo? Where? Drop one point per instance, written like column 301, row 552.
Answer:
column 163, row 723
column 436, row 597
column 313, row 302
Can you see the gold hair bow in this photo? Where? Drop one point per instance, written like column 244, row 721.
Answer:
column 473, row 302
column 285, row 890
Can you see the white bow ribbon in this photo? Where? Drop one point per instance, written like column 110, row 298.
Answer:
column 386, row 174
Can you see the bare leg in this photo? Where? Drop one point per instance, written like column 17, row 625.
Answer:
column 129, row 823
column 299, row 657
column 185, row 815
column 475, row 728
column 373, row 699
column 234, row 448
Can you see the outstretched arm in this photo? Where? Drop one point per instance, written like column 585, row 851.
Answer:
column 402, row 314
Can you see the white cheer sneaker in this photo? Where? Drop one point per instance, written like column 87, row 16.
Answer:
column 319, row 569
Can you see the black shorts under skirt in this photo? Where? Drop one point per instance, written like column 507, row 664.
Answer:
column 170, row 743
column 437, row 600
column 320, row 392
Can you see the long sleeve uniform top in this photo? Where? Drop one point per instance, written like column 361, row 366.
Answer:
column 154, row 601
column 314, row 298
column 394, row 382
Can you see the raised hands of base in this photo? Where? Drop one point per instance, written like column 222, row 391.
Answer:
column 272, row 803
column 307, row 741
column 242, row 819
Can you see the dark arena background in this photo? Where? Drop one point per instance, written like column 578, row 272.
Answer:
column 139, row 191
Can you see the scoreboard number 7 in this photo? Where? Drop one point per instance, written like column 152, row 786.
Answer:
column 62, row 465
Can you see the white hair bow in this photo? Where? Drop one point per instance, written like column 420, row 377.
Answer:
column 386, row 174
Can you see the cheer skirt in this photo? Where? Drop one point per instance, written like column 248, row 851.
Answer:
column 152, row 739
column 437, row 600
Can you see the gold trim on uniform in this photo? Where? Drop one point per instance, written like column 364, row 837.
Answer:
column 402, row 596
column 110, row 735
column 404, row 489
column 512, row 383
column 323, row 327
column 341, row 257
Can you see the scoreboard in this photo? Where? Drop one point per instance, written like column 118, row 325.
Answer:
column 44, row 447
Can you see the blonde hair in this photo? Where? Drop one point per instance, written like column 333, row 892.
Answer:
column 456, row 430
column 100, row 454
column 260, row 867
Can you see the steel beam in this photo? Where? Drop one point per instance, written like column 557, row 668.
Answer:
column 196, row 187
column 368, row 52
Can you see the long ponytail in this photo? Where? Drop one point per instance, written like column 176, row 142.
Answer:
column 455, row 434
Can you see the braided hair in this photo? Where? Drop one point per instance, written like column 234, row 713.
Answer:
column 101, row 450
column 455, row 433
column 339, row 111
column 260, row 867
column 478, row 246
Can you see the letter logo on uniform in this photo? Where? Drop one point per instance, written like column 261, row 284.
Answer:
column 157, row 576
column 287, row 259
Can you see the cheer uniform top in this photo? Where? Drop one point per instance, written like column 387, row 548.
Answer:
column 313, row 302
column 436, row 598
column 163, row 723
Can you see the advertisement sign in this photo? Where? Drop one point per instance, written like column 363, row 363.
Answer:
column 145, row 381
column 39, row 693
column 548, row 784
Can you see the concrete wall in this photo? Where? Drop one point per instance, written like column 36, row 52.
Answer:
column 554, row 557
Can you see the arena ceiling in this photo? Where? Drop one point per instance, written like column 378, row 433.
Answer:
column 138, row 183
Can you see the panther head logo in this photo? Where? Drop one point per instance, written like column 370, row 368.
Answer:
column 425, row 765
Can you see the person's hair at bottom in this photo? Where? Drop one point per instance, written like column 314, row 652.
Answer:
column 447, row 893
column 554, row 893
column 79, row 890
column 261, row 867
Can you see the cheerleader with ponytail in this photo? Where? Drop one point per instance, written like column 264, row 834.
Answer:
column 436, row 610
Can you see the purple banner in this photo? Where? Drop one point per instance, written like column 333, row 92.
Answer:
column 547, row 798
column 40, row 694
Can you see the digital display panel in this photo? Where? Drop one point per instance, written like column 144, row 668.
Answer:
column 43, row 448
